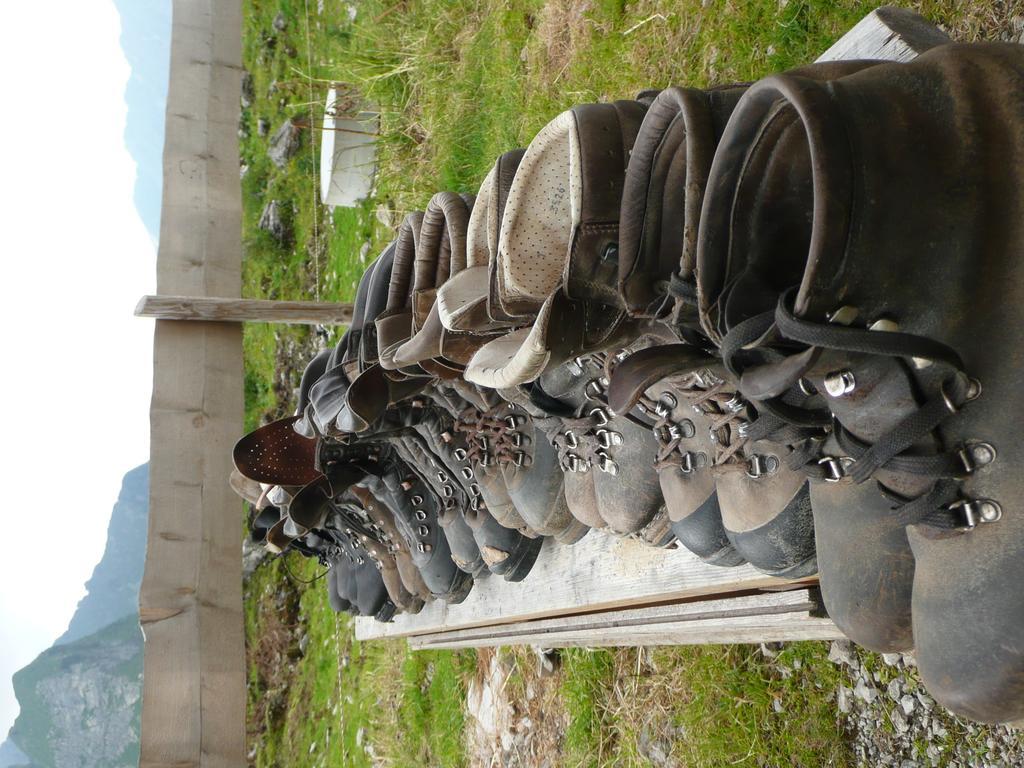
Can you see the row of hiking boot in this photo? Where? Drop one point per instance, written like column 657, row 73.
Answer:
column 777, row 323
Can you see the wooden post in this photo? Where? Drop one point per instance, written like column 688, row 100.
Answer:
column 190, row 603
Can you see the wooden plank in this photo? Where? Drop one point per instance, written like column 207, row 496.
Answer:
column 190, row 602
column 218, row 309
column 741, row 610
column 892, row 34
column 752, row 629
column 599, row 572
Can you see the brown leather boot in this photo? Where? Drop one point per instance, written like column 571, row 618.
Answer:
column 896, row 303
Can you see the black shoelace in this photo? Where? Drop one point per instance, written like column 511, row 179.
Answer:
column 942, row 506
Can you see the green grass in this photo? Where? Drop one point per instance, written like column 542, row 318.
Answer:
column 321, row 700
column 457, row 83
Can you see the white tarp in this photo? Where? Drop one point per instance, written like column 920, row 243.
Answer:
column 348, row 154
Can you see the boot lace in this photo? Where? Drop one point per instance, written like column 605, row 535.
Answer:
column 944, row 505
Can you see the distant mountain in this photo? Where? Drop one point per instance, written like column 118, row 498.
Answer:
column 81, row 702
column 146, row 42
column 113, row 591
column 81, row 699
column 11, row 756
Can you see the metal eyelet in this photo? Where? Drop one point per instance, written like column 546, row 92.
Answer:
column 423, row 547
column 420, row 514
column 975, row 454
column 668, row 400
column 835, row 467
column 447, row 491
column 460, row 454
column 423, row 530
column 593, row 390
column 759, row 465
column 601, row 415
column 521, row 459
column 606, row 438
column 977, row 511
column 606, row 464
column 442, row 476
column 570, row 439
column 735, row 404
column 416, row 499
column 467, row 473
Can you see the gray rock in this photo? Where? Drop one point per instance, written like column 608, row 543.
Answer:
column 841, row 652
column 908, row 704
column 280, row 22
column 271, row 221
column 864, row 692
column 843, row 700
column 248, row 90
column 892, row 659
column 899, row 721
column 893, row 689
column 547, row 661
column 284, row 143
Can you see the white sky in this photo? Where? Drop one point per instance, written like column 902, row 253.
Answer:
column 76, row 371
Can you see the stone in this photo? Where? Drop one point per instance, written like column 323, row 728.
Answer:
column 843, row 700
column 893, row 690
column 777, row 705
column 272, row 221
column 284, row 143
column 841, row 652
column 908, row 703
column 892, row 659
column 899, row 721
column 865, row 692
column 547, row 661
column 248, row 90
column 280, row 22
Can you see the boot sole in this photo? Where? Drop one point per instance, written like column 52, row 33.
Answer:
column 519, row 570
column 456, row 596
column 808, row 567
column 572, row 533
column 726, row 557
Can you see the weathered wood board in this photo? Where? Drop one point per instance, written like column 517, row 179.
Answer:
column 218, row 309
column 599, row 572
column 889, row 34
column 190, row 602
column 761, row 617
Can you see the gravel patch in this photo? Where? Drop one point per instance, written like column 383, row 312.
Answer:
column 892, row 721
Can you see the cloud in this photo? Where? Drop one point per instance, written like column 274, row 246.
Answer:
column 77, row 366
